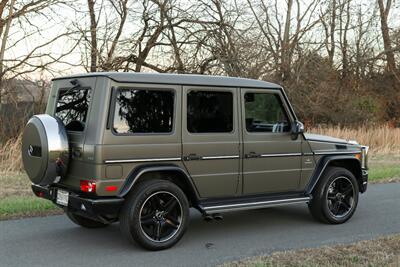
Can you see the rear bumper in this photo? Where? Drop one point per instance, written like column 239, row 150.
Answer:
column 364, row 180
column 105, row 210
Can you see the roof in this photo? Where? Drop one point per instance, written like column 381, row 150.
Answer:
column 185, row 79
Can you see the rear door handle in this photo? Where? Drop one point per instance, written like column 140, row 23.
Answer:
column 252, row 155
column 191, row 157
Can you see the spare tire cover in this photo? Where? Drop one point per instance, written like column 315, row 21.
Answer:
column 45, row 149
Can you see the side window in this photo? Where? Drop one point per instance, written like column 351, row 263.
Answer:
column 143, row 111
column 265, row 113
column 209, row 112
column 72, row 108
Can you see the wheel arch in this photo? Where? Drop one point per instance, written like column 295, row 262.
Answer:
column 173, row 173
column 348, row 162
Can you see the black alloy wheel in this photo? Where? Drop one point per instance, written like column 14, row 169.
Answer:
column 155, row 214
column 335, row 197
column 161, row 216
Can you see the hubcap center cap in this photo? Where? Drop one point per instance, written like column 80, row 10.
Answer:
column 160, row 215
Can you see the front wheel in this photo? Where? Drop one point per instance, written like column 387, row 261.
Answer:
column 155, row 214
column 335, row 197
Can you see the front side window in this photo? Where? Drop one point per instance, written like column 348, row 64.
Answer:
column 209, row 112
column 72, row 107
column 143, row 111
column 265, row 113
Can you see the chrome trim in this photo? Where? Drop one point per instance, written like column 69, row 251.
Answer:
column 220, row 157
column 308, row 154
column 329, row 142
column 140, row 160
column 254, row 205
column 336, row 152
column 280, row 155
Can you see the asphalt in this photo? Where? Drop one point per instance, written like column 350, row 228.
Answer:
column 55, row 241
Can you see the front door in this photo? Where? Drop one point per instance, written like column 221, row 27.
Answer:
column 210, row 137
column 271, row 159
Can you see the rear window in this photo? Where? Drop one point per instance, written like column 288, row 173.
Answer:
column 143, row 111
column 72, row 107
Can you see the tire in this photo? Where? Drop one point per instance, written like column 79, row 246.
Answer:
column 335, row 197
column 155, row 215
column 84, row 222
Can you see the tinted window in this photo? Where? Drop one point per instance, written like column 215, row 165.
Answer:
column 209, row 112
column 143, row 111
column 72, row 108
column 265, row 113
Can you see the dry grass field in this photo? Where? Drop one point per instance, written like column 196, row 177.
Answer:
column 382, row 139
column 380, row 252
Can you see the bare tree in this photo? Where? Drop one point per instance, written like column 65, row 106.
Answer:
column 384, row 13
column 284, row 42
column 18, row 23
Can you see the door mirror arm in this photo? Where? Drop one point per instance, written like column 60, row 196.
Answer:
column 296, row 129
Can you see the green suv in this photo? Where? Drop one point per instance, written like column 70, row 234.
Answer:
column 142, row 149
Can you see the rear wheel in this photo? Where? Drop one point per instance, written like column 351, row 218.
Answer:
column 84, row 222
column 155, row 215
column 335, row 197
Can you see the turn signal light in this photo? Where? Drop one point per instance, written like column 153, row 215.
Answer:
column 88, row 186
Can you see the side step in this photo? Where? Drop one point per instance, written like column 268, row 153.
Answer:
column 211, row 209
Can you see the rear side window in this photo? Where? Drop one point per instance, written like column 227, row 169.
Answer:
column 72, row 107
column 143, row 111
column 265, row 113
column 209, row 112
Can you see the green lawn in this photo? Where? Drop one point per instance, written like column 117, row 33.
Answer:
column 384, row 167
column 17, row 199
column 26, row 206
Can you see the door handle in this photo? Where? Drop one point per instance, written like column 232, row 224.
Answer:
column 252, row 155
column 191, row 157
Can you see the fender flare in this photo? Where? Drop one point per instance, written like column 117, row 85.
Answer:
column 137, row 172
column 323, row 163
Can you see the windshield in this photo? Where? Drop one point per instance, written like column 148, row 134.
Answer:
column 72, row 108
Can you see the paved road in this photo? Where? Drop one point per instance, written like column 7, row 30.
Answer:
column 54, row 241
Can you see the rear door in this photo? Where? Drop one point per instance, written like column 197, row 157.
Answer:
column 210, row 136
column 271, row 159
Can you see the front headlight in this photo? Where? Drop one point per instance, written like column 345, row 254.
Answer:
column 364, row 157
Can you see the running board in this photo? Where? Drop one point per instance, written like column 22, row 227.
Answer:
column 253, row 205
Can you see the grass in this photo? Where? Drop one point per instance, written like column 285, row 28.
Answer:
column 379, row 252
column 382, row 139
column 383, row 168
column 24, row 206
column 17, row 199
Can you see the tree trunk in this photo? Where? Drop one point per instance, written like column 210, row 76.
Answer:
column 93, row 37
column 384, row 12
column 285, row 53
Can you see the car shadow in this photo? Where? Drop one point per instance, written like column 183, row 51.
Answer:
column 241, row 223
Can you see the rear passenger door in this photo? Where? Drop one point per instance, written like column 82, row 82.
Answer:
column 210, row 135
column 271, row 159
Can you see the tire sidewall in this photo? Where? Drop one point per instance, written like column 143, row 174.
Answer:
column 134, row 204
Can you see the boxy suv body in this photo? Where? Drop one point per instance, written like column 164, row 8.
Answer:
column 144, row 148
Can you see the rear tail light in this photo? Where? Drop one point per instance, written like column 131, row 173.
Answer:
column 88, row 186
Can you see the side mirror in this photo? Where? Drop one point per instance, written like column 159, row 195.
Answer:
column 297, row 128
